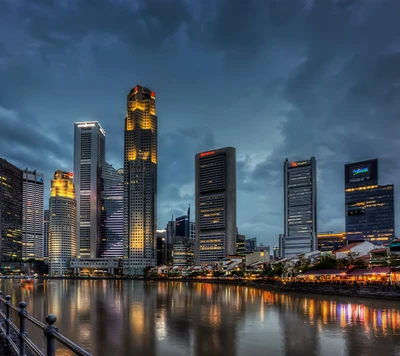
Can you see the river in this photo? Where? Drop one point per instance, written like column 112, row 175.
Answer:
column 178, row 319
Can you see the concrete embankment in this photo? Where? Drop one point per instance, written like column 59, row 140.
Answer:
column 363, row 291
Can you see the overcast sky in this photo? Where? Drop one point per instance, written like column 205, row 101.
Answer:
column 274, row 79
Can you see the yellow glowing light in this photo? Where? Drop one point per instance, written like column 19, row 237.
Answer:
column 132, row 154
column 62, row 187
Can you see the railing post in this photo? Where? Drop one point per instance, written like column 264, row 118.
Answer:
column 8, row 319
column 51, row 347
column 22, row 331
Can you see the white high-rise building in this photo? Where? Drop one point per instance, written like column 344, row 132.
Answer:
column 89, row 154
column 62, row 226
column 300, row 200
column 32, row 215
column 140, row 181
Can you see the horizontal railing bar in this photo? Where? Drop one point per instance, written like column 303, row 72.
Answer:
column 32, row 346
column 15, row 327
column 7, row 323
column 35, row 321
column 13, row 344
column 2, row 329
column 71, row 345
column 12, row 306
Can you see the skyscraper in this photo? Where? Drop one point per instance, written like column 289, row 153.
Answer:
column 183, row 252
column 330, row 241
column 62, row 226
column 112, row 215
column 161, row 248
column 215, row 177
column 140, row 181
column 170, row 234
column 300, row 200
column 369, row 206
column 10, row 212
column 32, row 216
column 89, row 154
column 46, row 218
column 192, row 233
column 182, row 225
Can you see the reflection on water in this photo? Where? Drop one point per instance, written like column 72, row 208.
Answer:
column 177, row 318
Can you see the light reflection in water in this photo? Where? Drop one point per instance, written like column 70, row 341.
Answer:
column 178, row 318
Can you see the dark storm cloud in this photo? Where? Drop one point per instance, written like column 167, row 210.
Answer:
column 144, row 23
column 273, row 78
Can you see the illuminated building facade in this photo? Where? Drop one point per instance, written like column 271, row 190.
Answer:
column 112, row 215
column 215, row 177
column 331, row 241
column 140, row 181
column 10, row 212
column 62, row 226
column 46, row 222
column 369, row 207
column 300, row 200
column 89, row 154
column 32, row 215
column 183, row 252
column 240, row 247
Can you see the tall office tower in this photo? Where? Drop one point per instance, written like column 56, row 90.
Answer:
column 250, row 245
column 89, row 154
column 62, row 226
column 112, row 215
column 281, row 239
column 240, row 249
column 330, row 241
column 10, row 212
column 161, row 247
column 369, row 206
column 140, row 181
column 46, row 219
column 183, row 252
column 170, row 238
column 32, row 215
column 192, row 233
column 182, row 225
column 300, row 200
column 215, row 175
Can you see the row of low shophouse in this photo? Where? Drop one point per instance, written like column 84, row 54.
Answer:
column 382, row 265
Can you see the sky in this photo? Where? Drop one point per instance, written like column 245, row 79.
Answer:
column 275, row 79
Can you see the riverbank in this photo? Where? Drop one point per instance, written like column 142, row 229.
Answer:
column 363, row 291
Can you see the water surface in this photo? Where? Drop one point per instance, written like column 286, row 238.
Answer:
column 178, row 319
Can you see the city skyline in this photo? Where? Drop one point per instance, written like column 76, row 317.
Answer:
column 335, row 100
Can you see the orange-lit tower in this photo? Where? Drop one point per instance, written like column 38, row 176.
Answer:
column 62, row 225
column 140, row 181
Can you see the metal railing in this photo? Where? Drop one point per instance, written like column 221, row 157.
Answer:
column 50, row 331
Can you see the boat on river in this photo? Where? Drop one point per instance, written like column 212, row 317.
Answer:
column 27, row 281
